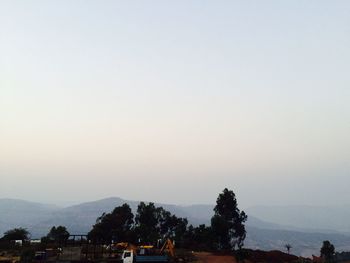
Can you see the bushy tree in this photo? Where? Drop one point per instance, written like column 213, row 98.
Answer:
column 57, row 234
column 148, row 223
column 179, row 229
column 327, row 251
column 228, row 222
column 155, row 223
column 16, row 234
column 151, row 224
column 116, row 226
column 171, row 226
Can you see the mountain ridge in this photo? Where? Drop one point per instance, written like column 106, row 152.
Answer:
column 306, row 216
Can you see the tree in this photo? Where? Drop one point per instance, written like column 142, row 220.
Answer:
column 57, row 234
column 16, row 234
column 153, row 223
column 327, row 251
column 288, row 247
column 228, row 222
column 171, row 226
column 116, row 226
column 147, row 222
column 179, row 230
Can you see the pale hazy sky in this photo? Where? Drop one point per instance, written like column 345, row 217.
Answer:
column 172, row 101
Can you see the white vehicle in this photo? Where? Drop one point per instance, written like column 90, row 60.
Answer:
column 130, row 257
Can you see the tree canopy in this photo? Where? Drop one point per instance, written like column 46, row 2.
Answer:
column 147, row 222
column 327, row 251
column 16, row 234
column 57, row 234
column 153, row 223
column 115, row 226
column 228, row 222
column 150, row 225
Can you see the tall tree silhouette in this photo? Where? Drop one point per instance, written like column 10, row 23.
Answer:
column 327, row 251
column 228, row 222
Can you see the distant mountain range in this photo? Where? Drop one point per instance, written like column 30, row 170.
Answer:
column 39, row 218
column 268, row 227
column 315, row 218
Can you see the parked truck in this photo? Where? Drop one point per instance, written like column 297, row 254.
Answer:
column 130, row 256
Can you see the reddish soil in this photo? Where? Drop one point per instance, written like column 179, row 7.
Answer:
column 270, row 256
column 254, row 256
column 204, row 257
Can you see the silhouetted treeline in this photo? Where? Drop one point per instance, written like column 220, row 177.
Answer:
column 152, row 225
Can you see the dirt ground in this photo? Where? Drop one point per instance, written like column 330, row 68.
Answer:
column 204, row 257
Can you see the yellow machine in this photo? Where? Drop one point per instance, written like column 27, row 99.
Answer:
column 168, row 247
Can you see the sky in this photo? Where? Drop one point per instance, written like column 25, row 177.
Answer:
column 172, row 101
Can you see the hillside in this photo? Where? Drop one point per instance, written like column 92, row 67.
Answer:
column 316, row 218
column 19, row 213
